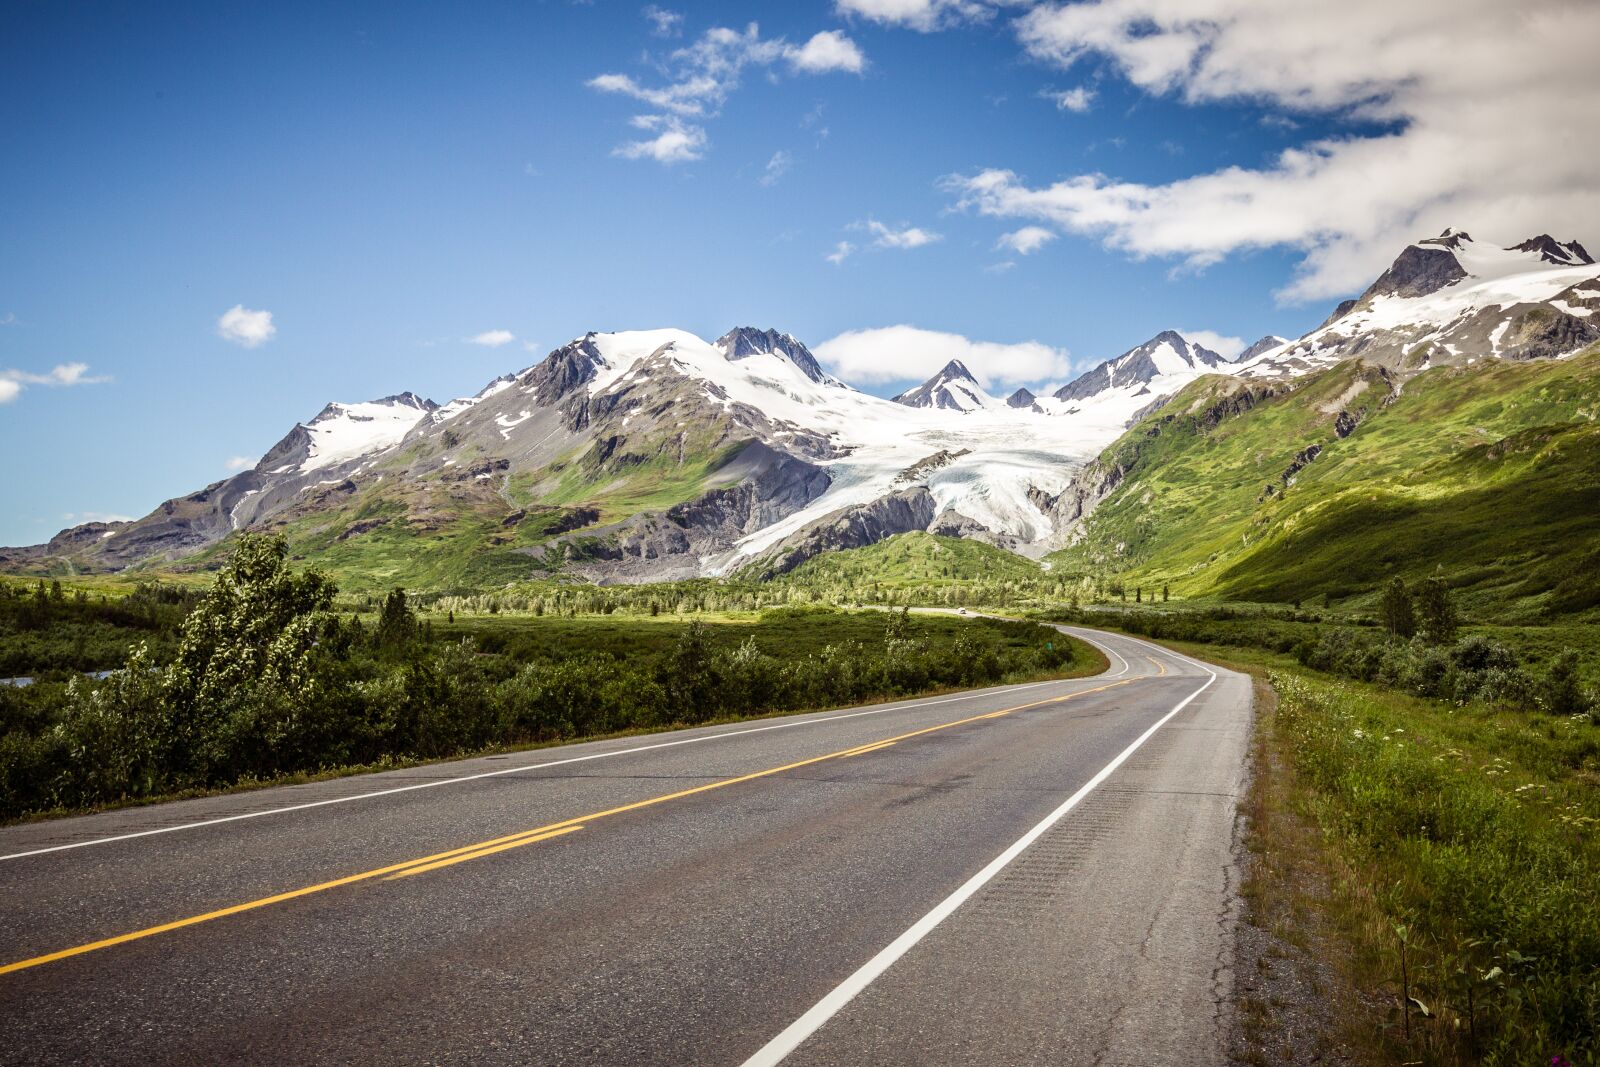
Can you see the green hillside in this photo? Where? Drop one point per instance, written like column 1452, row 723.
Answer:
column 1490, row 472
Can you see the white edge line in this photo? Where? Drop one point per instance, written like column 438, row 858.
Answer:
column 532, row 767
column 776, row 1050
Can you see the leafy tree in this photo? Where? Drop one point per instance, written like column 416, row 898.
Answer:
column 1436, row 612
column 1560, row 694
column 690, row 676
column 397, row 623
column 1399, row 616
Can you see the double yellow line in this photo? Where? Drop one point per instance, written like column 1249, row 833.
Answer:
column 434, row 862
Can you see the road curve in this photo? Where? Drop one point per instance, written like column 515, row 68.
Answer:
column 1017, row 875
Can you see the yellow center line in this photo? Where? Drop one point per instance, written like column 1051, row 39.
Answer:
column 524, row 837
column 869, row 748
column 1161, row 668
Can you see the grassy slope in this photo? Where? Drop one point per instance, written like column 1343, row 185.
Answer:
column 1492, row 472
column 909, row 560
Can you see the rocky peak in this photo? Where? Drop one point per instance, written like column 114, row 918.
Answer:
column 1266, row 344
column 1423, row 268
column 1570, row 254
column 952, row 388
column 1168, row 352
column 743, row 342
column 1022, row 399
column 1451, row 238
column 564, row 370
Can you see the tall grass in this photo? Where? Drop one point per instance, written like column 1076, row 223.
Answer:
column 1466, row 841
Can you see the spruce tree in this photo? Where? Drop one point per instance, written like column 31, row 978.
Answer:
column 1436, row 613
column 1399, row 617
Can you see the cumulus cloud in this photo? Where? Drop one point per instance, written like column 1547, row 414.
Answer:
column 1481, row 115
column 903, row 238
column 244, row 326
column 922, row 15
column 1223, row 345
column 1077, row 99
column 701, row 76
column 1026, row 241
column 906, row 353
column 776, row 168
column 827, row 51
column 492, row 338
column 240, row 463
column 13, row 381
column 840, row 253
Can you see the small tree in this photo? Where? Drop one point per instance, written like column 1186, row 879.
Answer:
column 1399, row 617
column 1138, row 594
column 397, row 623
column 1436, row 613
column 1166, row 592
column 1560, row 693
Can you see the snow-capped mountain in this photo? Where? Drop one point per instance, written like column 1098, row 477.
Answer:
column 343, row 432
column 954, row 388
column 1261, row 347
column 1450, row 300
column 654, row 454
column 1166, row 355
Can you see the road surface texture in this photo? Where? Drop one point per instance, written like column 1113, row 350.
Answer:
column 1035, row 874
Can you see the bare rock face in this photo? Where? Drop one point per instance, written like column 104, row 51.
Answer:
column 906, row 511
column 1418, row 271
column 747, row 341
column 1022, row 398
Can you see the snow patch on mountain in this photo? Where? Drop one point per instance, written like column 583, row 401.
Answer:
column 343, row 432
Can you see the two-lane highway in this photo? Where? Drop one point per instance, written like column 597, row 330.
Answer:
column 1023, row 874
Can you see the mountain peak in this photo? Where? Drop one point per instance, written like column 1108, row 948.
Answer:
column 1570, row 254
column 956, row 369
column 1451, row 238
column 1167, row 353
column 953, row 388
column 1022, row 398
column 1266, row 344
column 742, row 342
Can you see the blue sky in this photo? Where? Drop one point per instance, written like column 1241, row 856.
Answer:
column 393, row 181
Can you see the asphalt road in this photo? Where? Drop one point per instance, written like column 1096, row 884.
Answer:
column 1025, row 875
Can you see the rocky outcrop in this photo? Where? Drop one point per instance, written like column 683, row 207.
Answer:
column 746, row 341
column 920, row 470
column 1023, row 399
column 854, row 527
column 1417, row 271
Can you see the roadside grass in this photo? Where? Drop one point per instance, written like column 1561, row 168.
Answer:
column 1460, row 848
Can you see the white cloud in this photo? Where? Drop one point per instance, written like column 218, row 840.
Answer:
column 492, row 338
column 1486, row 113
column 906, row 353
column 240, row 463
column 1026, row 241
column 1077, row 99
column 776, row 168
column 827, row 51
column 840, row 253
column 700, row 77
column 9, row 319
column 664, row 23
column 678, row 142
column 12, row 381
column 243, row 326
column 906, row 237
column 922, row 15
column 1223, row 345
